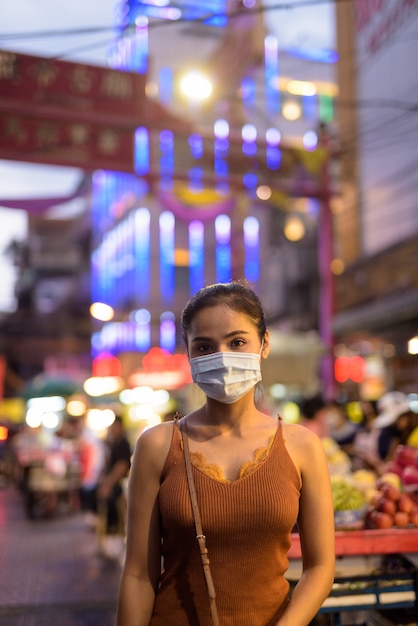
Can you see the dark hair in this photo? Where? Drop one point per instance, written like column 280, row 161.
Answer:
column 237, row 296
column 311, row 405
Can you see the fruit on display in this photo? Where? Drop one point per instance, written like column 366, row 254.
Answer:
column 365, row 481
column 378, row 519
column 390, row 478
column 345, row 496
column 362, row 499
column 410, row 476
column 391, row 507
column 338, row 461
column 405, row 464
column 349, row 504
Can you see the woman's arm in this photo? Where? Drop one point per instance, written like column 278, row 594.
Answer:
column 141, row 571
column 316, row 528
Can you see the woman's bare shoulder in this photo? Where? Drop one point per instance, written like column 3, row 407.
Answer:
column 298, row 436
column 154, row 443
column 304, row 446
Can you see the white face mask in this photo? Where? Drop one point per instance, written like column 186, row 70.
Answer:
column 226, row 376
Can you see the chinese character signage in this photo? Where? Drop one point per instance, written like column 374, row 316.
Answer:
column 78, row 144
column 83, row 92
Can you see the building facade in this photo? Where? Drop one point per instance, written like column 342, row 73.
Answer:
column 377, row 295
column 231, row 187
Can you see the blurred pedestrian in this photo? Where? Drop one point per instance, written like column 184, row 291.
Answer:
column 364, row 449
column 394, row 424
column 340, row 428
column 314, row 415
column 104, row 469
column 91, row 454
column 110, row 488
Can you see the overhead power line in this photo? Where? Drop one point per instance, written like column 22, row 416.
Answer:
column 46, row 34
column 281, row 6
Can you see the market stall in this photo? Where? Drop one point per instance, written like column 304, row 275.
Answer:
column 375, row 569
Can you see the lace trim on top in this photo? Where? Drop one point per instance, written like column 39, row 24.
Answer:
column 215, row 471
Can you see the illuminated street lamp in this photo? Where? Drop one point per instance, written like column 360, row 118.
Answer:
column 101, row 311
column 196, row 86
column 413, row 345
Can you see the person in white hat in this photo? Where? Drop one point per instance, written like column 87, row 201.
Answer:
column 395, row 420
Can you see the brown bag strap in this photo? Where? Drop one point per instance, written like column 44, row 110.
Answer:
column 200, row 537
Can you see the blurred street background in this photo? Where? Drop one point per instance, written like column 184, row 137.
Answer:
column 149, row 148
column 52, row 571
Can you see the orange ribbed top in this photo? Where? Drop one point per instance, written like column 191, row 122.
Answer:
column 247, row 523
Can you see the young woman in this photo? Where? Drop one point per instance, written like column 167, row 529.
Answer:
column 255, row 477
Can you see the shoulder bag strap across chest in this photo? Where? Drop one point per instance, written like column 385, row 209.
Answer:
column 200, row 537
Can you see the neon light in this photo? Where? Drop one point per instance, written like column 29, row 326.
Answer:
column 221, row 129
column 196, row 178
column 139, row 56
column 166, row 158
column 249, row 137
column 197, row 256
column 310, row 107
column 273, row 153
column 223, row 249
column 168, row 331
column 167, row 228
column 127, row 266
column 114, row 261
column 248, row 92
column 158, row 3
column 141, row 151
column 312, row 206
column 221, row 150
column 250, row 180
column 213, row 10
column 165, row 85
column 142, row 254
column 220, row 164
column 273, row 136
column 249, row 148
column 195, row 142
column 142, row 319
column 326, row 108
column 252, row 248
column 323, row 56
column 249, row 133
column 164, row 13
column 271, row 65
column 130, row 52
column 196, row 145
column 310, row 140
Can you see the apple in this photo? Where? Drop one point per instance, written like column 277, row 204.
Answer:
column 390, row 492
column 384, row 505
column 393, row 478
column 378, row 519
column 413, row 518
column 371, row 518
column 405, row 455
column 404, row 503
column 394, row 468
column 410, row 475
column 372, row 496
column 401, row 519
column 384, row 520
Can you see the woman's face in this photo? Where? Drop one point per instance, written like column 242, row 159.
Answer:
column 221, row 329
